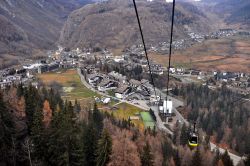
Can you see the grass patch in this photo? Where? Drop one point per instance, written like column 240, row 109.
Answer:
column 147, row 119
column 126, row 110
column 67, row 78
column 111, row 93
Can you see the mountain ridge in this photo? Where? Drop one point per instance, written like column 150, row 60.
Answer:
column 113, row 23
column 27, row 25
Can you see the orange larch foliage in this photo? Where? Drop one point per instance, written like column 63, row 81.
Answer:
column 220, row 163
column 47, row 113
column 124, row 150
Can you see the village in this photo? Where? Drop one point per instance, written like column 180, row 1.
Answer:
column 124, row 73
column 125, row 77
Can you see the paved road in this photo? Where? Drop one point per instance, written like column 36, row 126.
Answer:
column 160, row 125
column 180, row 117
column 236, row 159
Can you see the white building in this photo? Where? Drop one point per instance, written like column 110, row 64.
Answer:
column 118, row 59
column 106, row 100
column 172, row 70
column 167, row 107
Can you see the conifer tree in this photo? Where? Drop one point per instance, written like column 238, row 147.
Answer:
column 104, row 149
column 147, row 158
column 184, row 135
column 65, row 146
column 20, row 90
column 90, row 138
column 6, row 132
column 226, row 159
column 77, row 107
column 32, row 102
column 37, row 132
column 76, row 153
column 216, row 157
column 167, row 150
column 97, row 120
column 247, row 161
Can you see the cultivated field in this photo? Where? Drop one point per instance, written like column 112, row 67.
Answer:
column 230, row 54
column 69, row 84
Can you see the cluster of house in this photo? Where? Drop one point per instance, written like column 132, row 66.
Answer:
column 236, row 81
column 180, row 44
column 121, row 86
column 133, row 57
column 221, row 33
column 233, row 79
column 244, row 33
column 25, row 73
column 11, row 76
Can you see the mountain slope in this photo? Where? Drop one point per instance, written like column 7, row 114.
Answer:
column 30, row 24
column 234, row 12
column 113, row 24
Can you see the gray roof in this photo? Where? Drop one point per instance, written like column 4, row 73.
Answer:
column 143, row 81
column 135, row 82
column 105, row 82
column 91, row 76
column 122, row 89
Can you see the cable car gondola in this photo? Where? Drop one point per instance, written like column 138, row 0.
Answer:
column 193, row 138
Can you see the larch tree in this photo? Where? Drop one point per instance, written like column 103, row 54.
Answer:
column 47, row 114
column 197, row 159
column 124, row 150
column 177, row 159
column 220, row 163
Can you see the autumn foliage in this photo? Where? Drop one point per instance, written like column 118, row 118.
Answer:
column 47, row 113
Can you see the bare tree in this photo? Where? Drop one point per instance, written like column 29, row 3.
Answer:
column 13, row 150
column 27, row 146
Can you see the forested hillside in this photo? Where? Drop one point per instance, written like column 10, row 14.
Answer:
column 29, row 26
column 38, row 128
column 113, row 24
column 222, row 114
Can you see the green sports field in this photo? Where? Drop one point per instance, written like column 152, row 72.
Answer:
column 147, row 120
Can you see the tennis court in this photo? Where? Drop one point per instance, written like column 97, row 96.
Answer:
column 147, row 120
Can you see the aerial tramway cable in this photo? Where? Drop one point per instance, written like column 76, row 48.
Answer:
column 145, row 49
column 170, row 46
column 144, row 46
column 193, row 137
